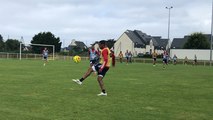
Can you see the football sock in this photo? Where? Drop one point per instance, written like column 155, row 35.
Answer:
column 82, row 79
column 103, row 91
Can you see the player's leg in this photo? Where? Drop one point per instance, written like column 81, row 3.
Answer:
column 45, row 59
column 154, row 61
column 92, row 63
column 113, row 61
column 87, row 74
column 101, row 83
column 164, row 63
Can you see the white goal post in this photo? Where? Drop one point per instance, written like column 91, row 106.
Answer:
column 44, row 45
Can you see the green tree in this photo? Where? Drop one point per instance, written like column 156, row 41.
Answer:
column 197, row 41
column 110, row 43
column 45, row 38
column 1, row 43
column 12, row 45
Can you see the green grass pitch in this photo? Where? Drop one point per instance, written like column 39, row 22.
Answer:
column 30, row 91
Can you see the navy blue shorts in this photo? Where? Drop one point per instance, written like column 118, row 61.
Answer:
column 165, row 60
column 97, row 67
column 93, row 61
column 45, row 57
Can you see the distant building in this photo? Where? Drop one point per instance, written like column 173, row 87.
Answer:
column 65, row 49
column 77, row 44
column 178, row 43
column 138, row 42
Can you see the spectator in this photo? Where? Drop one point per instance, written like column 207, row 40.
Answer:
column 185, row 60
column 175, row 59
column 195, row 60
column 121, row 56
column 113, row 58
column 154, row 57
column 130, row 57
column 127, row 56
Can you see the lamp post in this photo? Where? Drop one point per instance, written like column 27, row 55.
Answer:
column 169, row 8
column 211, row 37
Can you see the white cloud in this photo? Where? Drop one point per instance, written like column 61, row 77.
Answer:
column 101, row 19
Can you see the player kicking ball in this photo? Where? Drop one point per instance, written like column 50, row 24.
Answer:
column 101, row 68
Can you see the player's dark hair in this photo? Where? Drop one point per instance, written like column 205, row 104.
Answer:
column 102, row 42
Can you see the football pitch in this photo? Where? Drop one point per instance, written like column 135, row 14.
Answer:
column 30, row 91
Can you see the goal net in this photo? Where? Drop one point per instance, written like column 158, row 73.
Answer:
column 35, row 51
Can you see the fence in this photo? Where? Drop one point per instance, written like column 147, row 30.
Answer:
column 4, row 55
column 190, row 53
column 61, row 57
column 159, row 61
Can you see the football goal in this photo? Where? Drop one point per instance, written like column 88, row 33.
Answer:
column 27, row 51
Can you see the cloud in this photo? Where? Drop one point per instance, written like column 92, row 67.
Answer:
column 101, row 19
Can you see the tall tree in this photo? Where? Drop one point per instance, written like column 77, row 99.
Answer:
column 110, row 43
column 12, row 45
column 46, row 38
column 1, row 43
column 197, row 41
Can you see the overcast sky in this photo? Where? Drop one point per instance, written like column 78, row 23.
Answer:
column 93, row 20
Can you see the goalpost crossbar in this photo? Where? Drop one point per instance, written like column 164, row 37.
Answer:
column 45, row 45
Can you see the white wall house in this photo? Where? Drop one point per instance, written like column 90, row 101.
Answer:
column 138, row 42
column 124, row 43
column 73, row 42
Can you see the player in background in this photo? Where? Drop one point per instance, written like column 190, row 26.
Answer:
column 127, row 57
column 113, row 58
column 185, row 60
column 165, row 59
column 175, row 59
column 45, row 55
column 195, row 60
column 154, row 57
column 121, row 57
column 130, row 56
column 101, row 68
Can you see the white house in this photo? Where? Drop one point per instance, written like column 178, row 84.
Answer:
column 139, row 42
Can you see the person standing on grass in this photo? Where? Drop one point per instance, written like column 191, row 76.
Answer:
column 113, row 58
column 127, row 57
column 175, row 59
column 45, row 55
column 101, row 68
column 154, row 57
column 121, row 57
column 195, row 60
column 130, row 57
column 165, row 59
column 185, row 61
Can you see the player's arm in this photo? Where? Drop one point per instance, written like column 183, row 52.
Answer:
column 105, row 58
column 89, row 54
column 97, row 53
